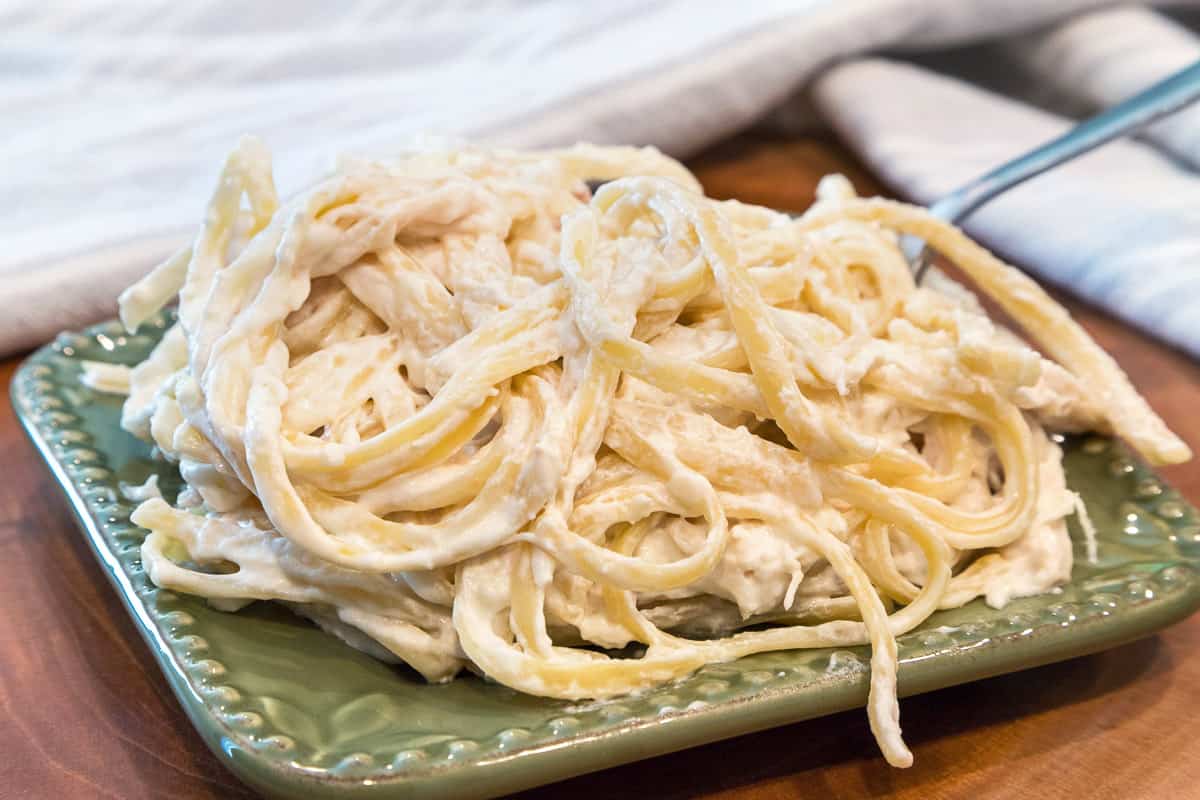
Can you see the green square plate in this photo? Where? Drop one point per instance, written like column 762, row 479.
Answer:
column 296, row 713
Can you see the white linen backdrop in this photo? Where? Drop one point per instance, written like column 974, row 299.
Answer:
column 115, row 117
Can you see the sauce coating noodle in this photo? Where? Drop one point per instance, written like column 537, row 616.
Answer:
column 464, row 413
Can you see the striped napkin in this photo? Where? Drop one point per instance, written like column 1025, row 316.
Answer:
column 115, row 116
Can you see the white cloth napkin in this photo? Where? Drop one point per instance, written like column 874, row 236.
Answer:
column 114, row 117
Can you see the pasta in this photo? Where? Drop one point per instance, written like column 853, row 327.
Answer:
column 464, row 413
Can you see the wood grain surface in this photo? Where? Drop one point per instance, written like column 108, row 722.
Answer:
column 84, row 711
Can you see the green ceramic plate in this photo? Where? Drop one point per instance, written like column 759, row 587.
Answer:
column 296, row 713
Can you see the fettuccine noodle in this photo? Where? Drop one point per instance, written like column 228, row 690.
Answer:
column 462, row 412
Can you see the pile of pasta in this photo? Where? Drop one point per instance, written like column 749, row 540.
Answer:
column 463, row 412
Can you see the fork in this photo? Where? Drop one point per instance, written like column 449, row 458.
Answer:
column 1165, row 97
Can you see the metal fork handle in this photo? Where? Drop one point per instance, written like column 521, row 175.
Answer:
column 1165, row 97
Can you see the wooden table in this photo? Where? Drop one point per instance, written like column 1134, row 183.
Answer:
column 86, row 713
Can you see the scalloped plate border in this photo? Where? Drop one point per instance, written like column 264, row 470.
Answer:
column 721, row 701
